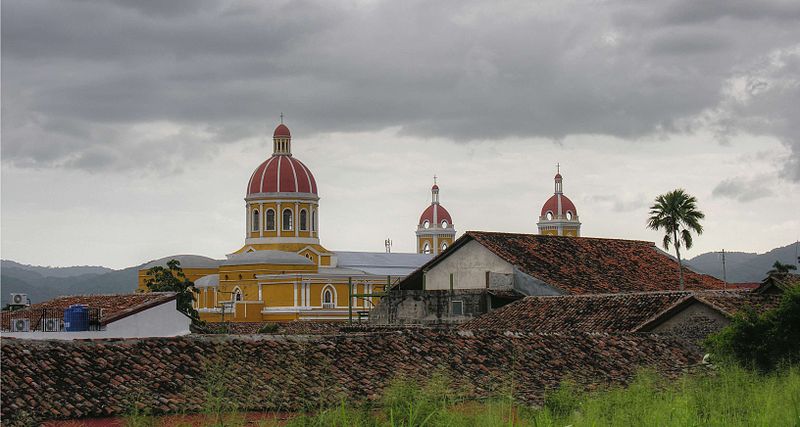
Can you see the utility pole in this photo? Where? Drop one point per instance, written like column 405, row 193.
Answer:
column 724, row 273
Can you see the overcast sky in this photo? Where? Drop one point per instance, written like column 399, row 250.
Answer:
column 130, row 128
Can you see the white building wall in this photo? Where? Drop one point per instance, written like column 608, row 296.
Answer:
column 469, row 265
column 163, row 320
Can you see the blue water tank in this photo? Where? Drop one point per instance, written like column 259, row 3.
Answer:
column 76, row 318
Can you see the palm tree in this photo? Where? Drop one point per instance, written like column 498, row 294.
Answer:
column 780, row 269
column 676, row 213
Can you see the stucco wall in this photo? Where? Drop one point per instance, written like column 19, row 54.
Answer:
column 469, row 265
column 160, row 321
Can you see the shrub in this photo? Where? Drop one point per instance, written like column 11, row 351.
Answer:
column 762, row 341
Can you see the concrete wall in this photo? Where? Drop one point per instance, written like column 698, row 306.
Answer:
column 163, row 320
column 403, row 307
column 469, row 265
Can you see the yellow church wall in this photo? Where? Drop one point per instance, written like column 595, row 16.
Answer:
column 279, row 295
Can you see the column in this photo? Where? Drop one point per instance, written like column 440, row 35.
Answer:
column 279, row 219
column 297, row 219
column 294, row 293
column 262, row 218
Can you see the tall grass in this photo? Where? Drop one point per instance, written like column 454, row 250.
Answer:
column 730, row 397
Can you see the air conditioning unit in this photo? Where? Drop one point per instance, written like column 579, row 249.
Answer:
column 20, row 299
column 52, row 324
column 20, row 325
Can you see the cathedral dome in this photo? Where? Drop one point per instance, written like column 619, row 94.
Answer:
column 551, row 205
column 281, row 173
column 435, row 214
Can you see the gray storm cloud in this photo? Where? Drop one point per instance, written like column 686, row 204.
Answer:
column 82, row 78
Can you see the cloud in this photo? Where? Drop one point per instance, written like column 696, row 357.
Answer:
column 743, row 189
column 82, row 78
column 617, row 203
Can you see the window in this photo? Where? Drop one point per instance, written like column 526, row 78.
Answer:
column 569, row 216
column 426, row 224
column 444, row 223
column 457, row 308
column 327, row 298
column 287, row 219
column 237, row 294
column 444, row 246
column 426, row 249
column 269, row 224
column 549, row 216
column 303, row 220
column 313, row 220
column 256, row 221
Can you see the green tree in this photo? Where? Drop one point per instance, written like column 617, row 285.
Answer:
column 765, row 340
column 172, row 279
column 677, row 214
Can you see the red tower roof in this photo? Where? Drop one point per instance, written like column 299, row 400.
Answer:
column 441, row 214
column 282, row 132
column 282, row 174
column 552, row 205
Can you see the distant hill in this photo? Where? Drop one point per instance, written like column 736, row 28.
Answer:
column 743, row 266
column 56, row 271
column 43, row 283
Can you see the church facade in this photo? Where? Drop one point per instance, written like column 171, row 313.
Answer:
column 282, row 272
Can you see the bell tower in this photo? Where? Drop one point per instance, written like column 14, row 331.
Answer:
column 435, row 230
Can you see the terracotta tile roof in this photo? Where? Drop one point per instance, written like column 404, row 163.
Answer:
column 114, row 307
column 585, row 313
column 609, row 312
column 582, row 265
column 731, row 302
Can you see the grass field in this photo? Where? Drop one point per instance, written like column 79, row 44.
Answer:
column 731, row 397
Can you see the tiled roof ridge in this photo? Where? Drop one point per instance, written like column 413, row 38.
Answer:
column 109, row 295
column 546, row 236
column 617, row 294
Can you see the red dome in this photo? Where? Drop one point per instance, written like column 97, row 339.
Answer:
column 435, row 187
column 282, row 132
column 281, row 174
column 441, row 214
column 552, row 205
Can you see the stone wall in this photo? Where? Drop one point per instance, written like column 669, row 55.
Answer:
column 64, row 380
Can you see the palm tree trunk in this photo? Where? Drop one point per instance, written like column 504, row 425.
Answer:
column 678, row 253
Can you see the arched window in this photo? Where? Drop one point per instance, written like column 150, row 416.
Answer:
column 549, row 216
column 269, row 224
column 287, row 219
column 303, row 220
column 426, row 249
column 426, row 224
column 444, row 223
column 255, row 220
column 314, row 220
column 569, row 216
column 237, row 294
column 328, row 297
column 444, row 246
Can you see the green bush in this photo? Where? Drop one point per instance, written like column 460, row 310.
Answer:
column 762, row 341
